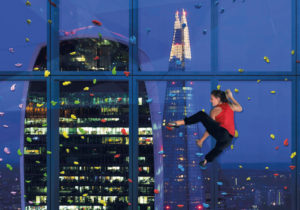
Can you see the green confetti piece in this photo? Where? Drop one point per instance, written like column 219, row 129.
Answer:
column 25, row 196
column 75, row 147
column 28, row 3
column 9, row 167
column 100, row 35
column 28, row 21
column 27, row 39
column 82, row 131
column 77, row 102
column 45, row 174
column 37, row 161
column 19, row 152
column 114, row 72
column 29, row 139
column 94, row 81
column 60, row 145
column 44, row 125
column 27, row 181
column 49, row 152
column 53, row 103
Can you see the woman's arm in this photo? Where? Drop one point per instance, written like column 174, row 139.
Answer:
column 237, row 106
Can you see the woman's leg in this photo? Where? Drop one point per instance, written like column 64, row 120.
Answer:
column 218, row 149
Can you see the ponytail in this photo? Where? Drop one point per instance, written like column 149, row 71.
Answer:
column 220, row 94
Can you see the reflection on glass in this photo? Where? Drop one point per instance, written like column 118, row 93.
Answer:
column 94, row 145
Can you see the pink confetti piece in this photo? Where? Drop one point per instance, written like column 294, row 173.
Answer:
column 5, row 126
column 13, row 192
column 30, row 202
column 1, row 159
column 1, row 114
column 13, row 87
column 18, row 64
column 11, row 50
column 20, row 106
column 6, row 150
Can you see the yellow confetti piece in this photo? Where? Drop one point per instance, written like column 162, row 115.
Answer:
column 272, row 91
column 218, row 87
column 266, row 59
column 248, row 178
column 249, row 98
column 236, row 90
column 36, row 68
column 62, row 103
column 241, row 70
column 285, row 79
column 203, row 110
column 103, row 202
column 73, row 116
column 46, row 73
column 258, row 81
column 28, row 3
column 65, row 135
column 82, row 137
column 62, row 172
column 293, row 155
column 85, row 194
column 72, row 53
column 86, row 89
column 231, row 147
column 67, row 150
column 267, row 168
column 27, row 39
column 272, row 136
column 39, row 105
column 28, row 21
column 49, row 21
column 66, row 83
column 76, row 163
column 240, row 166
column 293, row 52
column 236, row 134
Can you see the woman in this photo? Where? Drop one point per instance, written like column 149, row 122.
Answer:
column 220, row 123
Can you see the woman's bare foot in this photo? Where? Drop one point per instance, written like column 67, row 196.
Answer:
column 199, row 143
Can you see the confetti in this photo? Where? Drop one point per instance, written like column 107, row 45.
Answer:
column 36, row 68
column 249, row 98
column 130, row 180
column 82, row 131
column 19, row 152
column 73, row 116
column 222, row 10
column 73, row 53
column 240, row 166
column 293, row 155
column 28, row 3
column 52, row 3
column 53, row 103
column 1, row 114
column 275, row 174
column 272, row 91
column 94, row 81
column 285, row 187
column 220, row 183
column 172, row 94
column 27, row 39
column 272, row 136
column 9, row 167
column 277, row 147
column 126, row 73
column 18, row 64
column 180, row 134
column 241, row 70
column 50, row 21
column 149, row 100
column 114, row 72
column 123, row 131
column 66, row 83
column 132, row 40
column 180, row 205
column 119, row 99
column 38, row 162
column 198, row 6
column 218, row 87
column 248, row 178
column 86, row 89
column 199, row 154
column 96, row 58
column 39, row 105
column 156, row 191
column 286, row 142
column 92, row 94
column 11, row 50
column 13, row 87
column 46, row 73
column 76, row 102
column 76, row 163
column 13, row 192
column 65, row 134
column 85, row 194
column 169, row 128
column 161, row 152
column 205, row 205
column 204, row 31
column 28, row 21
column 231, row 147
column 96, row 22
column 292, row 167
column 49, row 152
column 6, row 150
column 236, row 90
column 5, row 126
column 20, row 106
column 117, row 156
column 103, row 120
column 266, row 59
column 266, row 167
column 293, row 52
column 258, row 81
column 236, row 134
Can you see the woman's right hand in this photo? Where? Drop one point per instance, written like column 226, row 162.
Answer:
column 228, row 93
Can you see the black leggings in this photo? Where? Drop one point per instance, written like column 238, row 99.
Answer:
column 213, row 127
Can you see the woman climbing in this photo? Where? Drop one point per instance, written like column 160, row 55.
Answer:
column 220, row 123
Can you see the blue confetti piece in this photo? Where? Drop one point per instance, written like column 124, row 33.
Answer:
column 148, row 30
column 199, row 154
column 159, row 112
column 161, row 152
column 204, row 31
column 149, row 100
column 198, row 6
column 172, row 94
column 219, row 183
column 180, row 167
column 178, row 62
column 205, row 205
column 180, row 134
column 216, row 3
column 132, row 40
column 183, row 25
column 199, row 177
column 222, row 11
column 223, row 193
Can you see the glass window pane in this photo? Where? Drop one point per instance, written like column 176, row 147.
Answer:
column 260, row 39
column 169, row 174
column 94, row 144
column 256, row 171
column 23, row 175
column 24, row 28
column 174, row 35
column 94, row 35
